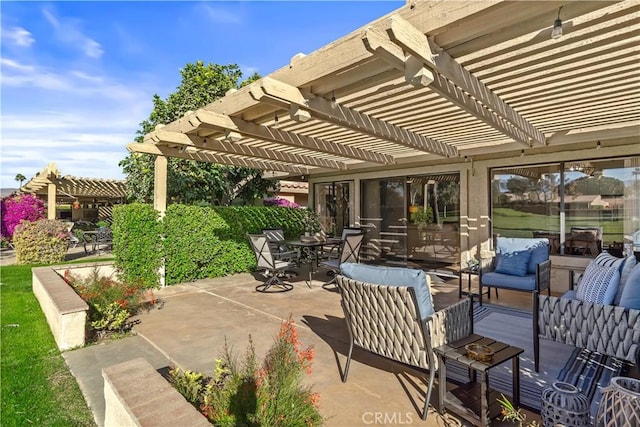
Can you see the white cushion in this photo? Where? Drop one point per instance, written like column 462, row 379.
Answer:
column 508, row 245
column 598, row 284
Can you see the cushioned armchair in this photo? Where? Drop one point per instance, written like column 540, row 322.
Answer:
column 521, row 265
column 389, row 312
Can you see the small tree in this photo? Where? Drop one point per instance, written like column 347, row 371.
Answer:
column 20, row 178
column 189, row 181
column 17, row 208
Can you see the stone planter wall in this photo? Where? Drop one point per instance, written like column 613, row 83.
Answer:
column 65, row 311
column 135, row 394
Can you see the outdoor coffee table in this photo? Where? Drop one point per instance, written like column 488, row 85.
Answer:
column 475, row 401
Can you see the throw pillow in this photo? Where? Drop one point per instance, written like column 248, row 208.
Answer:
column 539, row 253
column 625, row 272
column 513, row 264
column 599, row 284
column 607, row 260
column 631, row 293
column 394, row 276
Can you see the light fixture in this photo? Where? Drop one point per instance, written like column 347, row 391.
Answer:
column 275, row 120
column 334, row 103
column 556, row 33
column 598, row 145
column 521, row 153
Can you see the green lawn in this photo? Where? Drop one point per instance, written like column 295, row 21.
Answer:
column 513, row 223
column 37, row 387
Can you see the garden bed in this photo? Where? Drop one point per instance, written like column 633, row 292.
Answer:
column 65, row 311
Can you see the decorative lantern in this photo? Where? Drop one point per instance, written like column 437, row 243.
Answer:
column 76, row 204
column 563, row 403
column 620, row 403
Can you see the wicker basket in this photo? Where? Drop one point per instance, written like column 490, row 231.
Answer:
column 564, row 404
column 620, row 403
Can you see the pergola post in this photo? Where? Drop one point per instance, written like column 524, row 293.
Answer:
column 160, row 185
column 51, row 200
column 160, row 200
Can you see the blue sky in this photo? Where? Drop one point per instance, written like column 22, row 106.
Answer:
column 77, row 78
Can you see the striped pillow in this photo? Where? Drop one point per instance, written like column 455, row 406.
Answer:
column 605, row 259
column 598, row 284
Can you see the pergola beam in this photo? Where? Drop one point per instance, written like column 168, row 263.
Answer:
column 223, row 122
column 283, row 95
column 209, row 144
column 379, row 43
column 201, row 156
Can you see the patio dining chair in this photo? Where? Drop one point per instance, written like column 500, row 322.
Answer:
column 273, row 269
column 275, row 236
column 349, row 252
column 333, row 251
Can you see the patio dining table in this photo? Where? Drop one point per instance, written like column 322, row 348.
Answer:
column 309, row 250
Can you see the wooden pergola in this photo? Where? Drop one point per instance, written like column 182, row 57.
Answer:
column 433, row 82
column 49, row 183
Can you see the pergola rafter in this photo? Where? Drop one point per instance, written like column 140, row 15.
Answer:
column 429, row 82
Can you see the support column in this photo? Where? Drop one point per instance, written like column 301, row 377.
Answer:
column 160, row 200
column 160, row 185
column 51, row 201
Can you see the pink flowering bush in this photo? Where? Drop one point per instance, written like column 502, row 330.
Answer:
column 282, row 203
column 17, row 208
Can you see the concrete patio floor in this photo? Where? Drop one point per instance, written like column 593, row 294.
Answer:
column 190, row 325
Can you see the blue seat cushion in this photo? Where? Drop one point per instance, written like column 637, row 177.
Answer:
column 514, row 263
column 394, row 276
column 507, row 281
column 631, row 293
column 570, row 294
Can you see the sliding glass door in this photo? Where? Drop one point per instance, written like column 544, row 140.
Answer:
column 412, row 221
column 332, row 203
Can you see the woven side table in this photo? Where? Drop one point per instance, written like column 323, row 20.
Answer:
column 620, row 403
column 564, row 404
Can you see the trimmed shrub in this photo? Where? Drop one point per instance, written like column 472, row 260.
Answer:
column 17, row 208
column 41, row 242
column 137, row 245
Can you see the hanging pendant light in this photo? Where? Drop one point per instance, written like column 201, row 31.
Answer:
column 556, row 33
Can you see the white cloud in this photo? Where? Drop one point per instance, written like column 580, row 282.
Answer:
column 72, row 82
column 18, row 36
column 69, row 31
column 219, row 15
column 6, row 62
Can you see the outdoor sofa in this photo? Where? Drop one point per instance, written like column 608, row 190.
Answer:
column 389, row 312
column 601, row 317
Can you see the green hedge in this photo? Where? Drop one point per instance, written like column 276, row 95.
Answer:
column 197, row 242
column 137, row 243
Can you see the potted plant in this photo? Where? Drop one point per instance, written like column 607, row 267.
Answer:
column 422, row 216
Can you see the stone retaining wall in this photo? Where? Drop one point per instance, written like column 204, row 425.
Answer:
column 135, row 394
column 65, row 311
